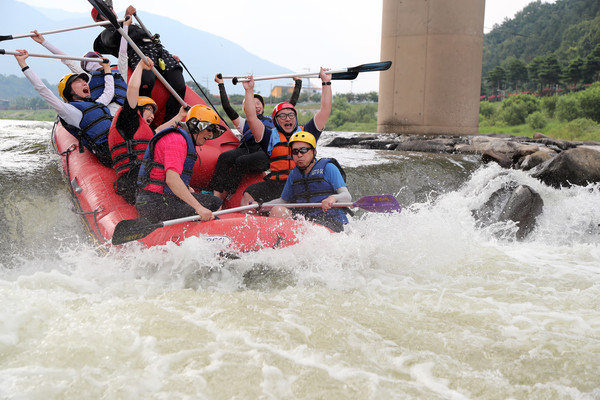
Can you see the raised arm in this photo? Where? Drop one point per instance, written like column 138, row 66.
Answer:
column 296, row 92
column 109, row 86
column 135, row 81
column 122, row 59
column 322, row 115
column 74, row 66
column 256, row 126
column 231, row 113
column 69, row 113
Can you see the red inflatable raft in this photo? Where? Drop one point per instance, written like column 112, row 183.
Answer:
column 102, row 209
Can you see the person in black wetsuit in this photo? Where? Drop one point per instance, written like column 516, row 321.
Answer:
column 168, row 65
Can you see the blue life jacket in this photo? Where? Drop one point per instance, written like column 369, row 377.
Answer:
column 92, row 131
column 313, row 188
column 96, row 85
column 247, row 133
column 148, row 162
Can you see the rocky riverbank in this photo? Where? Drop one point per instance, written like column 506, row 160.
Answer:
column 557, row 163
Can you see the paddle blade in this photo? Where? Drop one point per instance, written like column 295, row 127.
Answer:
column 383, row 203
column 5, row 37
column 105, row 11
column 133, row 229
column 348, row 76
column 378, row 66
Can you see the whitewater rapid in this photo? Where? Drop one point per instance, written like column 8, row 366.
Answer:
column 421, row 304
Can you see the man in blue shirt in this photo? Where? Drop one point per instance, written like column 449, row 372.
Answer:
column 313, row 181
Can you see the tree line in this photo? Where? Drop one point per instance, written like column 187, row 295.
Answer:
column 544, row 74
column 546, row 48
column 353, row 112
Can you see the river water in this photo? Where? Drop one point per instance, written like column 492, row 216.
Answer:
column 418, row 305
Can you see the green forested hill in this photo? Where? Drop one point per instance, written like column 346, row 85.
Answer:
column 567, row 31
column 570, row 28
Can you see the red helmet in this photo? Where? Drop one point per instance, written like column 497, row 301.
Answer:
column 95, row 15
column 282, row 106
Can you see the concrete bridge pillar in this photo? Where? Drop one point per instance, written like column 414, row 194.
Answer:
column 434, row 83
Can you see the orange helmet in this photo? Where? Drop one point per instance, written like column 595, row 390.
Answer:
column 144, row 101
column 201, row 117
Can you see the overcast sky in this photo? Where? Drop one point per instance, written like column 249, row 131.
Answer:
column 300, row 35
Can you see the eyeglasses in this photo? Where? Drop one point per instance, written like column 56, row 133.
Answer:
column 302, row 150
column 283, row 116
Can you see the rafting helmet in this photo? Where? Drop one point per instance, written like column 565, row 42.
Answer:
column 95, row 15
column 144, row 101
column 64, row 86
column 305, row 137
column 282, row 106
column 201, row 117
column 90, row 54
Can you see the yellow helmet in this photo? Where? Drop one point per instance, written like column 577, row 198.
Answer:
column 64, row 86
column 144, row 101
column 201, row 117
column 303, row 137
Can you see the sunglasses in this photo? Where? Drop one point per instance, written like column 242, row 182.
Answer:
column 283, row 116
column 216, row 130
column 302, row 150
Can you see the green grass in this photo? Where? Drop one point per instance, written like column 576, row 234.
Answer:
column 31, row 115
column 578, row 130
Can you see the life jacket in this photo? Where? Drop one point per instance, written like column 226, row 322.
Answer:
column 247, row 133
column 280, row 159
column 148, row 162
column 127, row 153
column 92, row 131
column 313, row 188
column 96, row 85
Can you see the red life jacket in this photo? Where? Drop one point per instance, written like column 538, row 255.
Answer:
column 127, row 154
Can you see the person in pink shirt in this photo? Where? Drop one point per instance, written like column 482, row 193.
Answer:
column 167, row 166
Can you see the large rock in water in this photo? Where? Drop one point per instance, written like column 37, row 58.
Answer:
column 578, row 166
column 518, row 203
column 523, row 207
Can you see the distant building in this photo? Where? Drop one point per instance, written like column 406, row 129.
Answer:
column 3, row 104
column 279, row 91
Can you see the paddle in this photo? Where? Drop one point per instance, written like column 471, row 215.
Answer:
column 135, row 229
column 340, row 74
column 382, row 203
column 156, row 37
column 58, row 56
column 108, row 14
column 10, row 37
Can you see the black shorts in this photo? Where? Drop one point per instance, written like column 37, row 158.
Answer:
column 161, row 207
column 266, row 191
